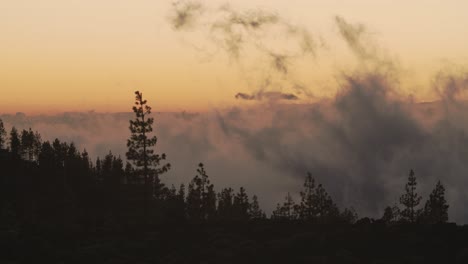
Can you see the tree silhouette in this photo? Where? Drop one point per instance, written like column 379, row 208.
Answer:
column 2, row 135
column 15, row 142
column 316, row 204
column 30, row 145
column 129, row 174
column 241, row 205
column 410, row 199
column 324, row 205
column 436, row 207
column 201, row 198
column 225, row 203
column 307, row 209
column 254, row 209
column 391, row 214
column 208, row 206
column 349, row 215
column 140, row 149
column 286, row 211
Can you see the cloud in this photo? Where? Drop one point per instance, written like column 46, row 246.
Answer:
column 361, row 144
column 267, row 96
column 185, row 14
column 256, row 32
column 355, row 36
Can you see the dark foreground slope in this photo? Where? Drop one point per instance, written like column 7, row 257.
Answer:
column 254, row 242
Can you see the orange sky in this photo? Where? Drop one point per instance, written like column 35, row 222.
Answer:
column 81, row 55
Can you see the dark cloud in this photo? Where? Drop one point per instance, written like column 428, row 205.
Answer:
column 355, row 36
column 280, row 62
column 266, row 96
column 363, row 143
column 185, row 14
column 450, row 84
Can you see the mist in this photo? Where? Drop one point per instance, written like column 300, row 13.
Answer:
column 360, row 144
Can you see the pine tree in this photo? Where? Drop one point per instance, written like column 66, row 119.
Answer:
column 410, row 199
column 286, row 211
column 324, row 205
column 30, row 145
column 98, row 170
column 307, row 209
column 254, row 209
column 194, row 199
column 225, row 204
column 2, row 135
column 118, row 172
column 201, row 197
column 241, row 205
column 106, row 167
column 181, row 193
column 140, row 150
column 208, row 194
column 15, row 142
column 129, row 174
column 436, row 207
column 348, row 216
column 391, row 214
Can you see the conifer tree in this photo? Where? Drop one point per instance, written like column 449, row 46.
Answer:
column 410, row 199
column 286, row 211
column 181, row 200
column 181, row 193
column 436, row 207
column 118, row 172
column 98, row 170
column 30, row 145
column 225, row 203
column 201, row 197
column 208, row 194
column 391, row 214
column 15, row 142
column 241, row 205
column 141, row 149
column 324, row 206
column 349, row 215
column 129, row 175
column 254, row 209
column 2, row 135
column 307, row 209
column 194, row 199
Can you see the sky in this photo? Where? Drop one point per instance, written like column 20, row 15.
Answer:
column 83, row 55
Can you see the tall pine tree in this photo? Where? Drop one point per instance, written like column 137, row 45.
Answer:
column 410, row 200
column 15, row 142
column 2, row 135
column 141, row 149
column 436, row 207
column 307, row 208
column 254, row 209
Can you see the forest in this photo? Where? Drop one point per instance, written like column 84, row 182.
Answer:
column 60, row 206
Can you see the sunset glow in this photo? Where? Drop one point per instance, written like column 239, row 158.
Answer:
column 91, row 55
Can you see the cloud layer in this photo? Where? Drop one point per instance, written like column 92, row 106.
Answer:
column 360, row 144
